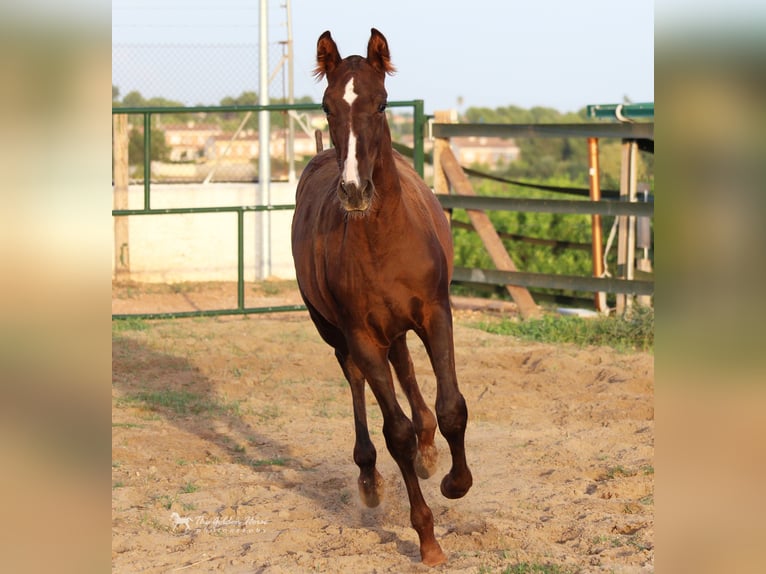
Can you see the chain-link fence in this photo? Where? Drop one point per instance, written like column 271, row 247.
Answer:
column 207, row 146
column 190, row 146
column 194, row 74
column 193, row 146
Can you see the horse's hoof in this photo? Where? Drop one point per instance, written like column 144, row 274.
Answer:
column 425, row 462
column 371, row 489
column 432, row 556
column 455, row 488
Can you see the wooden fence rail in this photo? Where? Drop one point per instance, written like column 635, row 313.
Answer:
column 454, row 190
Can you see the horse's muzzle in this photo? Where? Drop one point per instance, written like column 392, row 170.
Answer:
column 355, row 198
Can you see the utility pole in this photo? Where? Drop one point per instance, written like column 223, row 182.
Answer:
column 290, row 96
column 264, row 149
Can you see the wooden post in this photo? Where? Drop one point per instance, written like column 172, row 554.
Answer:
column 596, row 232
column 441, row 185
column 120, row 167
column 483, row 226
column 630, row 263
column 645, row 267
column 643, row 243
column 626, row 233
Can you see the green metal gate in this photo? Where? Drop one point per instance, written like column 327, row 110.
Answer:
column 240, row 210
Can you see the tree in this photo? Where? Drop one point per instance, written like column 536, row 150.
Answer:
column 133, row 99
column 159, row 148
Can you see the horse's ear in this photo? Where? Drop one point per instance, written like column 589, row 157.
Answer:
column 328, row 57
column 378, row 55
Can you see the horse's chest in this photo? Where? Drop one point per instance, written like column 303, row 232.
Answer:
column 387, row 298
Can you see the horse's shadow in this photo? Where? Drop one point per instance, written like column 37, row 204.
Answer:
column 173, row 388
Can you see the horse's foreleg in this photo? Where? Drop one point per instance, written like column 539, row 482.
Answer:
column 402, row 444
column 451, row 410
column 423, row 419
column 370, row 482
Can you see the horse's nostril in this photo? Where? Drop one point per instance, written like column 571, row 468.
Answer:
column 348, row 188
column 353, row 196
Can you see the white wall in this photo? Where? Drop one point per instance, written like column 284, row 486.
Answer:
column 203, row 247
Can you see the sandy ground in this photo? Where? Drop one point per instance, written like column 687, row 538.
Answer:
column 232, row 448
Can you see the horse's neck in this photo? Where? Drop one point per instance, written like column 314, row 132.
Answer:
column 385, row 176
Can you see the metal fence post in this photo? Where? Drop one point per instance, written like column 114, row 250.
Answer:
column 596, row 232
column 419, row 122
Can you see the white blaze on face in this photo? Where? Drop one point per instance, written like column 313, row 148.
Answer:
column 350, row 166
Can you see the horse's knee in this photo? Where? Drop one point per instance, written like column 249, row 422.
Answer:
column 452, row 415
column 400, row 438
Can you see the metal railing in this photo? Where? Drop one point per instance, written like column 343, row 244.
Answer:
column 147, row 113
column 628, row 131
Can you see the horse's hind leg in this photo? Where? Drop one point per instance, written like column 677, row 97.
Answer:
column 423, row 419
column 370, row 482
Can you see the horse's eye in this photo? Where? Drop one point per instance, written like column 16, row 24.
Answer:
column 382, row 107
column 325, row 109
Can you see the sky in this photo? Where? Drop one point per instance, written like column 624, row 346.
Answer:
column 484, row 53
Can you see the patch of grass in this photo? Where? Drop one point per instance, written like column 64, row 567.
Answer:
column 274, row 287
column 322, row 409
column 180, row 402
column 634, row 332
column 613, row 541
column 164, row 500
column 269, row 412
column 183, row 287
column 648, row 499
column 638, row 542
column 127, row 425
column 277, row 461
column 189, row 487
column 129, row 324
column 619, row 470
column 528, row 568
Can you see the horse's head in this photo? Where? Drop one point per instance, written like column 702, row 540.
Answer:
column 355, row 104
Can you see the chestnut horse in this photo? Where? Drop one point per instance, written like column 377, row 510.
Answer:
column 373, row 258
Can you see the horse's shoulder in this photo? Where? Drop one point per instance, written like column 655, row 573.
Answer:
column 318, row 163
column 318, row 173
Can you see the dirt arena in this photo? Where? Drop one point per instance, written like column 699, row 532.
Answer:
column 232, row 444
